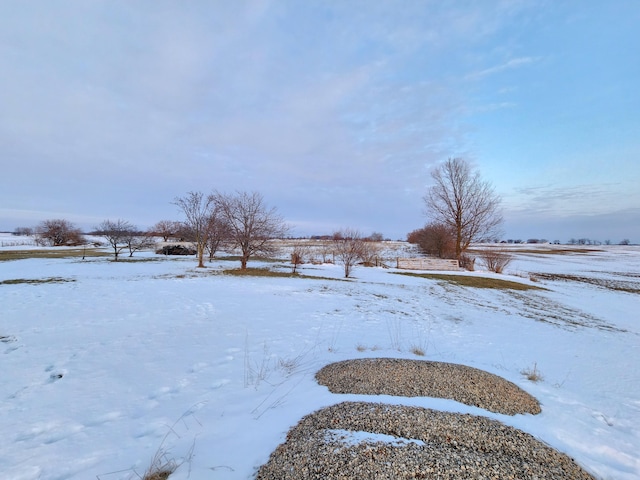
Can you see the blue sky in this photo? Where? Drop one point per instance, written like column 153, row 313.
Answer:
column 336, row 111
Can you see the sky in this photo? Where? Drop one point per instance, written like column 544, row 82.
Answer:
column 335, row 111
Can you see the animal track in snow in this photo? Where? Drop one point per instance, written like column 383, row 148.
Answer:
column 9, row 339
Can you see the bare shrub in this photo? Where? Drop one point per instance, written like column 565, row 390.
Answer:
column 496, row 260
column 532, row 374
column 299, row 256
column 348, row 248
column 467, row 262
column 326, row 252
column 370, row 254
column 58, row 232
column 437, row 239
column 419, row 351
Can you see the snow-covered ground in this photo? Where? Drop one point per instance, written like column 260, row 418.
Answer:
column 125, row 361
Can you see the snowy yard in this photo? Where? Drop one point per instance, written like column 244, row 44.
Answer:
column 107, row 364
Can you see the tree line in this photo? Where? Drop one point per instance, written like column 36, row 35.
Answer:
column 460, row 206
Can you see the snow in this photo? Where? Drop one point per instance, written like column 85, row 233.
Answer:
column 130, row 360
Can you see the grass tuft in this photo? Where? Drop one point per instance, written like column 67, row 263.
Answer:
column 160, row 475
column 418, row 351
column 532, row 374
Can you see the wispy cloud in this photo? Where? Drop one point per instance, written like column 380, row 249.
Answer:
column 511, row 64
column 335, row 111
column 554, row 200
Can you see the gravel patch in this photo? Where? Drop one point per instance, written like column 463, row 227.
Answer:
column 419, row 378
column 359, row 440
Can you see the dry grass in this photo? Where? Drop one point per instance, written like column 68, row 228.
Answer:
column 474, row 281
column 610, row 284
column 259, row 272
column 533, row 374
column 266, row 272
column 162, row 475
column 6, row 255
column 418, row 351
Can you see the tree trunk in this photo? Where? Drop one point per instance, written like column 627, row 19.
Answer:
column 200, row 257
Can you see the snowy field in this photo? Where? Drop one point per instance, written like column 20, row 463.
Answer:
column 106, row 365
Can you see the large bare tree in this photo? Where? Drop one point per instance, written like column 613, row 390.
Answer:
column 463, row 201
column 251, row 224
column 197, row 209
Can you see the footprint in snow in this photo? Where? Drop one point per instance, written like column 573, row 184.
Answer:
column 54, row 376
column 9, row 339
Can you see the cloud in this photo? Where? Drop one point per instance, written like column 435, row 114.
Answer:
column 562, row 200
column 511, row 64
column 335, row 111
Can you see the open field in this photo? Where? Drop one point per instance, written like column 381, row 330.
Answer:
column 107, row 364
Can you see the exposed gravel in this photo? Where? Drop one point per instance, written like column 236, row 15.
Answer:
column 419, row 378
column 330, row 444
column 360, row 440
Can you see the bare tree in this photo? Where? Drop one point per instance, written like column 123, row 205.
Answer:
column 138, row 240
column 370, row 254
column 299, row 256
column 217, row 232
column 252, row 225
column 166, row 229
column 348, row 248
column 197, row 209
column 464, row 202
column 118, row 235
column 58, row 232
column 23, row 231
column 326, row 250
